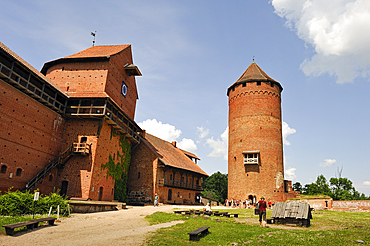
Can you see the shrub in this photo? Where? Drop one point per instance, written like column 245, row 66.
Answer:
column 16, row 203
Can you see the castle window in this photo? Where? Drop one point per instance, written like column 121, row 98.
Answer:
column 251, row 157
column 258, row 82
column 50, row 177
column 19, row 172
column 170, row 176
column 138, row 175
column 3, row 168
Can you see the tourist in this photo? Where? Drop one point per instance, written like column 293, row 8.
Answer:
column 262, row 211
column 207, row 208
column 156, row 199
column 269, row 204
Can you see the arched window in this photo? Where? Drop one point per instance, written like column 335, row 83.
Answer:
column 3, row 168
column 170, row 176
column 19, row 172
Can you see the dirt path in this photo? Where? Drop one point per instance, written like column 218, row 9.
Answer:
column 123, row 227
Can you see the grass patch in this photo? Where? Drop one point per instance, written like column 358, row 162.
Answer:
column 327, row 228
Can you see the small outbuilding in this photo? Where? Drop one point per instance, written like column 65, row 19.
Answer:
column 292, row 213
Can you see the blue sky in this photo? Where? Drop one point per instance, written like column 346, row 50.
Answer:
column 190, row 52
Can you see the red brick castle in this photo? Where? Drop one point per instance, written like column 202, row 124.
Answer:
column 71, row 128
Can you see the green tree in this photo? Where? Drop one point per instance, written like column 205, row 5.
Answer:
column 343, row 189
column 297, row 186
column 322, row 185
column 216, row 186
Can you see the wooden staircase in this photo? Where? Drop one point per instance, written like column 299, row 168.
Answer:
column 59, row 161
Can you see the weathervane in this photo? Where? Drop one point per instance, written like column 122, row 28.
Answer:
column 253, row 59
column 93, row 34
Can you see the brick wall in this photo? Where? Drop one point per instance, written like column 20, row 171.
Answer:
column 84, row 174
column 98, row 79
column 351, row 205
column 255, row 124
column 140, row 175
column 30, row 137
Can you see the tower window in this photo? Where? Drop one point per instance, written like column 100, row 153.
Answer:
column 258, row 82
column 19, row 172
column 251, row 157
column 3, row 168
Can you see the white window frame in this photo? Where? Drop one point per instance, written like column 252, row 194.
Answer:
column 251, row 157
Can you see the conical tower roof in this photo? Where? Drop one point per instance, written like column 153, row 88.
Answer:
column 254, row 74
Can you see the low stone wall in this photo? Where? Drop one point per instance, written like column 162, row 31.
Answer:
column 319, row 204
column 95, row 206
column 351, row 205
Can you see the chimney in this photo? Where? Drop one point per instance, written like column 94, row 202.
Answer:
column 143, row 133
column 174, row 143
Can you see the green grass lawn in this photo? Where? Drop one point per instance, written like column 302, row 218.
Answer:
column 327, row 228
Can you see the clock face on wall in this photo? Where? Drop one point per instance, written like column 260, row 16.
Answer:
column 124, row 89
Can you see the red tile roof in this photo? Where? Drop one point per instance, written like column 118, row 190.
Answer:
column 254, row 73
column 99, row 51
column 172, row 156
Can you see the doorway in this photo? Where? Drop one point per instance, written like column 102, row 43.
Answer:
column 169, row 194
column 100, row 193
column 63, row 190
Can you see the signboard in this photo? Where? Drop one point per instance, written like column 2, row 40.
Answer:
column 36, row 197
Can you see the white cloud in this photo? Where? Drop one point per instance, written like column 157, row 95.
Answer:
column 328, row 162
column 366, row 183
column 338, row 32
column 286, row 132
column 167, row 132
column 187, row 144
column 290, row 174
column 202, row 132
column 157, row 128
column 219, row 146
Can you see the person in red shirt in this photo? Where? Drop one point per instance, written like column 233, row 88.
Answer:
column 262, row 211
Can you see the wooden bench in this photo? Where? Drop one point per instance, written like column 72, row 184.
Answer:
column 178, row 211
column 194, row 235
column 30, row 224
column 228, row 215
column 222, row 213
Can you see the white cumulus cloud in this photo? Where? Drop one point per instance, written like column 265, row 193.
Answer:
column 187, row 144
column 286, row 132
column 290, row 173
column 366, row 183
column 157, row 128
column 337, row 30
column 202, row 132
column 219, row 146
column 167, row 132
column 328, row 162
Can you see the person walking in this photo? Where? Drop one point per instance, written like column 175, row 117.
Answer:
column 262, row 211
column 156, row 199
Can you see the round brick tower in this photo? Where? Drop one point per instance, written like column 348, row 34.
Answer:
column 255, row 156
